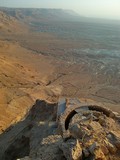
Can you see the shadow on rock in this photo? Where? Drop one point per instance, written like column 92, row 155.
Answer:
column 20, row 139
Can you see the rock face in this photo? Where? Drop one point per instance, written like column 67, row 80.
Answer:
column 72, row 149
column 25, row 137
column 72, row 131
column 9, row 24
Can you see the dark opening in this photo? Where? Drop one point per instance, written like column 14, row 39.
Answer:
column 100, row 109
column 93, row 108
column 90, row 157
column 69, row 117
column 19, row 149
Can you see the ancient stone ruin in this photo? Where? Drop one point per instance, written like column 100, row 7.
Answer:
column 69, row 130
column 89, row 131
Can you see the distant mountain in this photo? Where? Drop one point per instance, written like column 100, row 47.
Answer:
column 9, row 23
column 46, row 14
column 4, row 18
column 5, row 21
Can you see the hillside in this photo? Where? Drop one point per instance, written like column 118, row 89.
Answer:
column 40, row 14
column 22, row 81
column 10, row 24
column 81, row 75
column 44, row 57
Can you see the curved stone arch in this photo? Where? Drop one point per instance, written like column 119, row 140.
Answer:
column 71, row 111
column 69, row 117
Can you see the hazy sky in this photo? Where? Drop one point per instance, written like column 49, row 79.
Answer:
column 95, row 8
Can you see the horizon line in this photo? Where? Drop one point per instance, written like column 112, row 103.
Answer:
column 83, row 16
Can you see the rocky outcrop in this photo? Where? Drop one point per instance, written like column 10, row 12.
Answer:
column 25, row 137
column 96, row 130
column 72, row 131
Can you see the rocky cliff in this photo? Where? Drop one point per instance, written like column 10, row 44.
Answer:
column 69, row 130
column 10, row 24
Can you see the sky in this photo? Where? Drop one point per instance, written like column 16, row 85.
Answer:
column 90, row 8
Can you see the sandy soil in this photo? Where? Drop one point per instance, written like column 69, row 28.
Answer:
column 20, row 71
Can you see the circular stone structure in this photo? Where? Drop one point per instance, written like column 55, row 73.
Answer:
column 72, row 109
column 91, row 129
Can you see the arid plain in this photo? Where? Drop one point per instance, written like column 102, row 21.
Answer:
column 38, row 61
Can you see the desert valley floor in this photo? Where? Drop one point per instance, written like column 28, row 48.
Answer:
column 48, row 54
column 36, row 63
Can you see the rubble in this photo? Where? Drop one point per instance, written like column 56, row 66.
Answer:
column 72, row 149
column 94, row 127
column 79, row 131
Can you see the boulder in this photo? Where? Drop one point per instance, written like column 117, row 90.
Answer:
column 112, row 149
column 115, row 138
column 72, row 149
